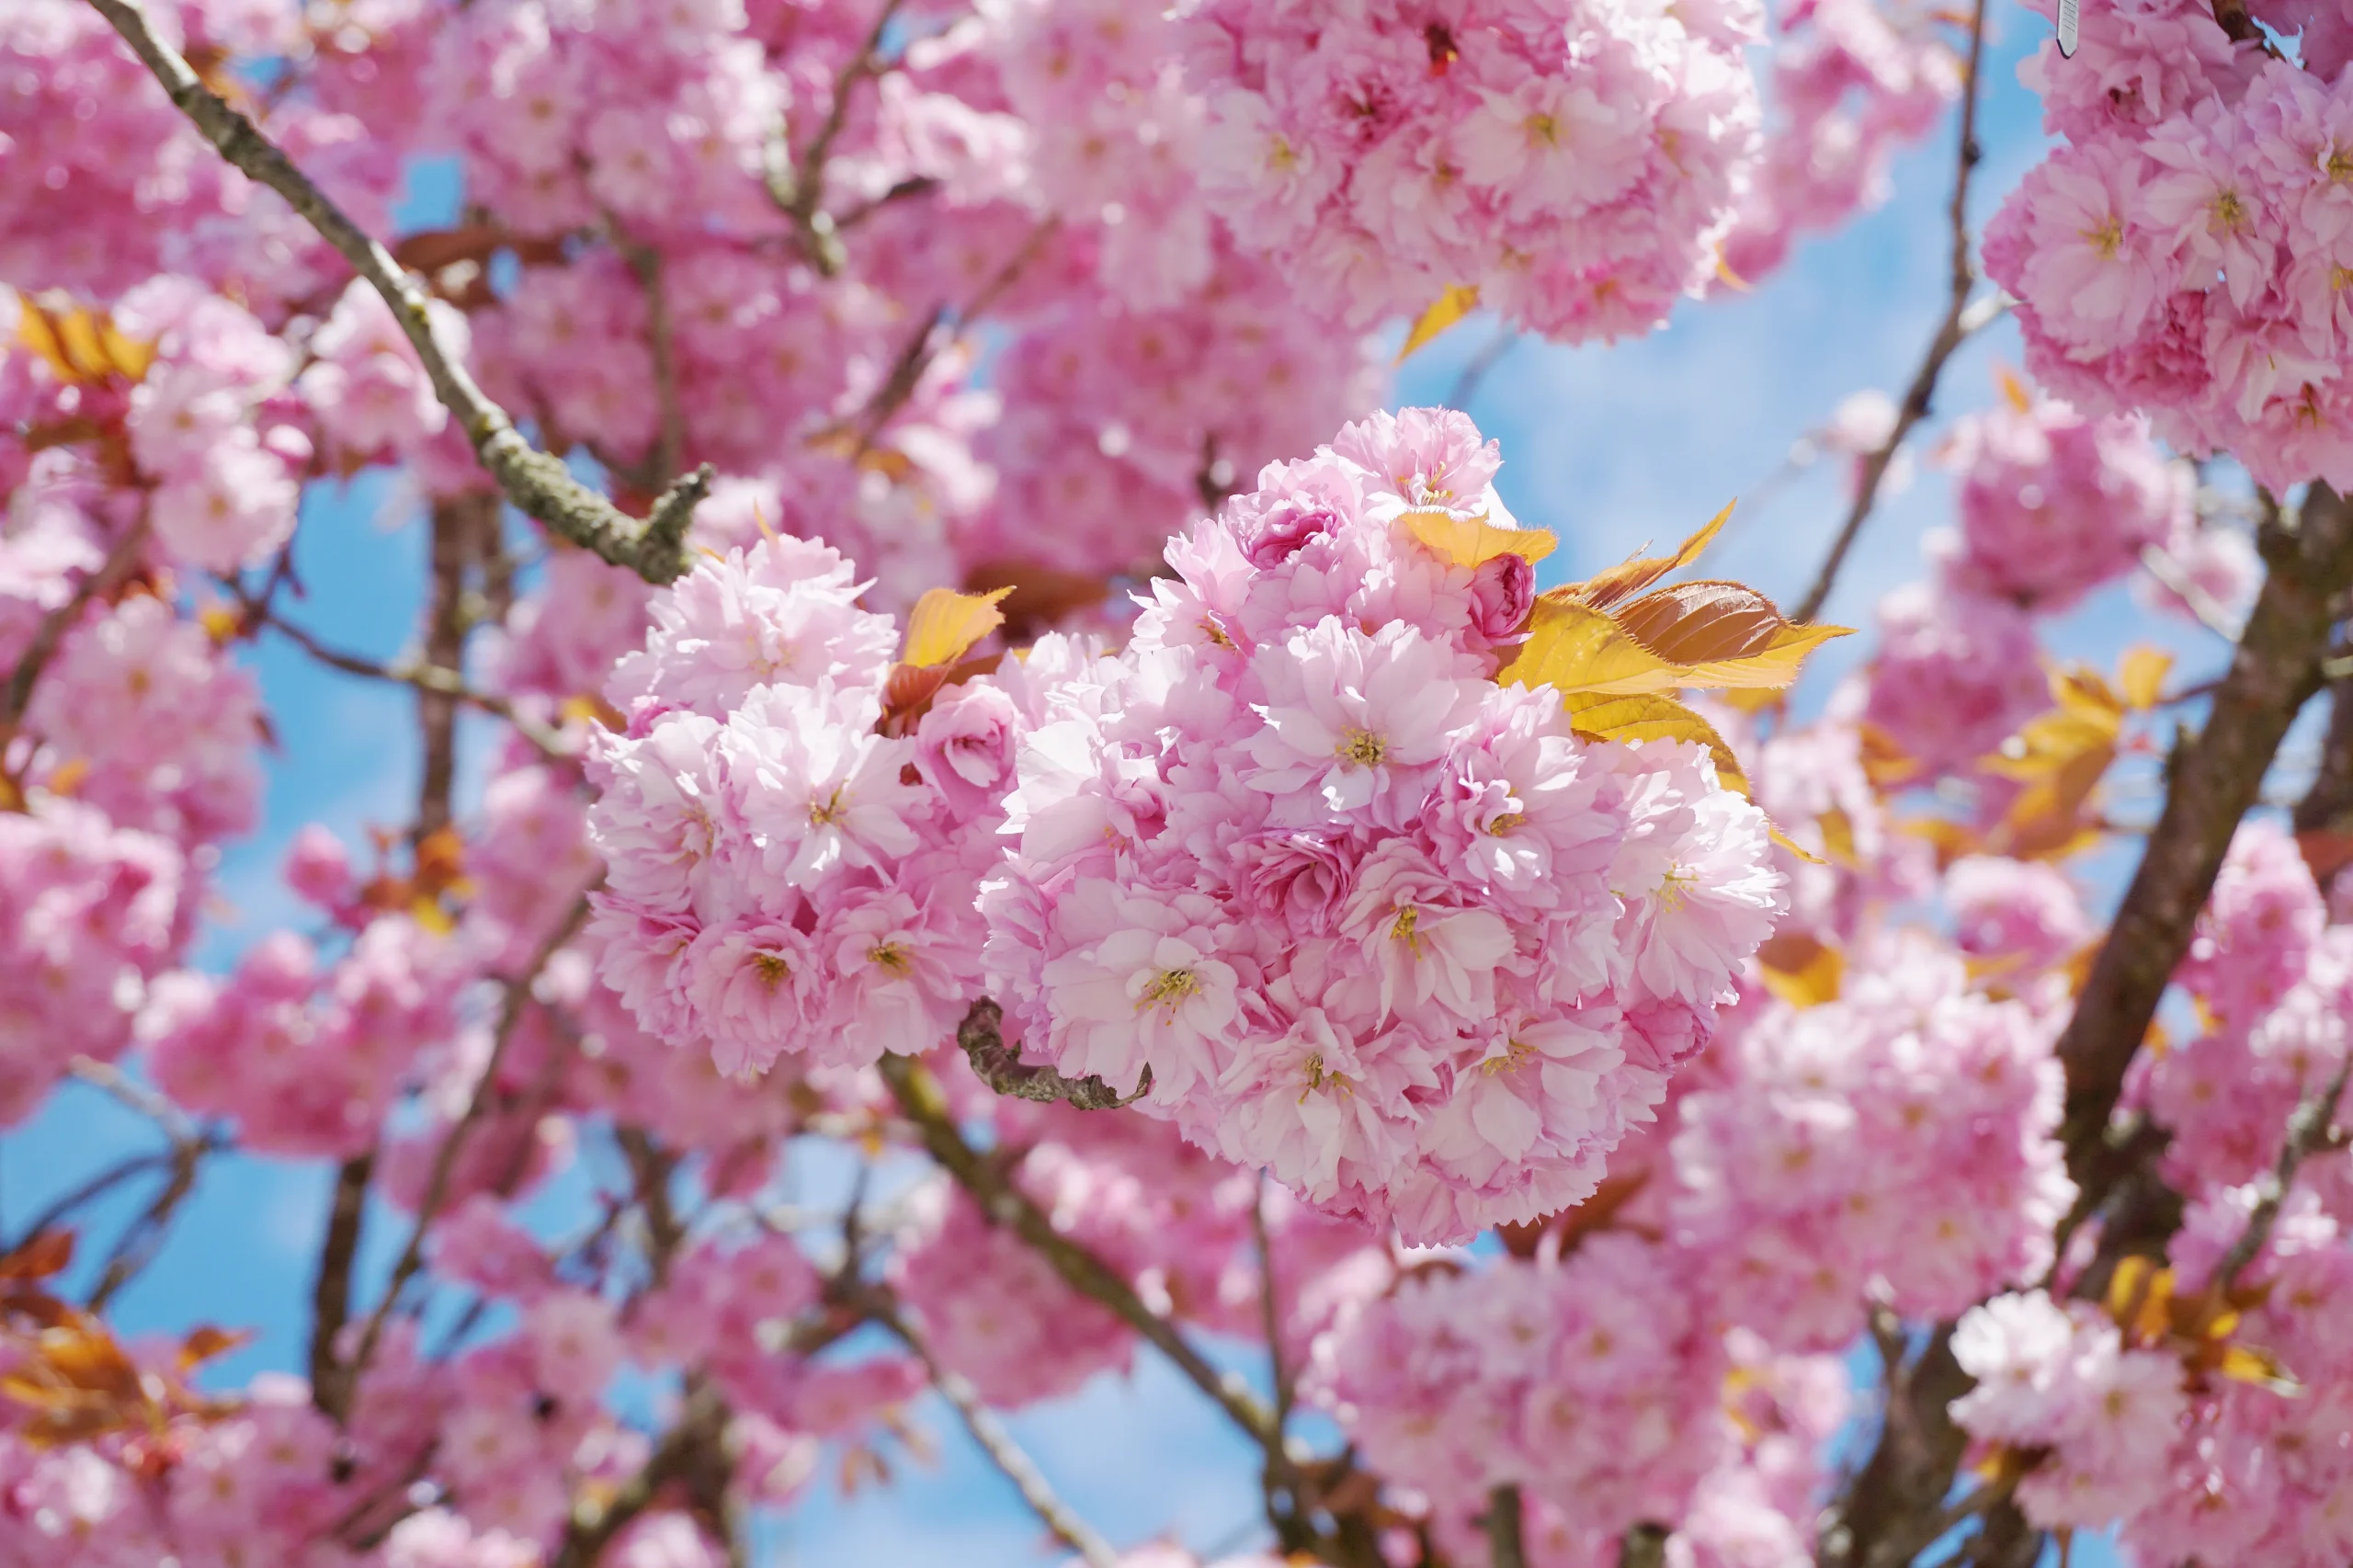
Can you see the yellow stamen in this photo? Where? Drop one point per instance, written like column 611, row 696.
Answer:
column 1168, row 990
column 1363, row 748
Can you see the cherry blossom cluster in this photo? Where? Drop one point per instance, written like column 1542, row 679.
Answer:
column 780, row 875
column 2182, row 252
column 1825, row 1169
column 1365, row 916
column 1852, row 82
column 2273, row 980
column 1579, row 165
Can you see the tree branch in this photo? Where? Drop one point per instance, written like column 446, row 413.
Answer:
column 2211, row 781
column 999, row 1446
column 1001, row 1068
column 537, row 483
column 424, row 677
column 1960, row 322
column 798, row 186
column 2308, row 1130
column 693, row 1447
column 1005, row 1204
column 1505, row 1547
column 445, row 1158
column 54, row 626
column 331, row 1289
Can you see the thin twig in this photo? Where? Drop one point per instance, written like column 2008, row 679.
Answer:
column 136, row 1247
column 1003, row 1203
column 999, row 1443
column 54, row 626
column 427, row 678
column 1951, row 333
column 445, row 1158
column 798, row 187
column 2174, row 581
column 537, row 483
column 1475, row 369
column 2308, row 1132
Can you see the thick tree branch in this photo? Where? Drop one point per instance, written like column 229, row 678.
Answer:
column 2211, row 780
column 691, row 1454
column 537, row 483
column 1960, row 321
column 1504, row 1528
column 1001, row 1068
column 1891, row 1510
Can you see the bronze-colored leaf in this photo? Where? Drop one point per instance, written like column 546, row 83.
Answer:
column 1723, row 634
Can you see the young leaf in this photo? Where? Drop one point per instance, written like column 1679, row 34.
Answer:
column 945, row 624
column 1577, row 648
column 1802, row 970
column 1649, row 717
column 2141, row 676
column 1472, row 542
column 1444, row 312
column 1723, row 634
column 1653, row 718
column 1624, row 581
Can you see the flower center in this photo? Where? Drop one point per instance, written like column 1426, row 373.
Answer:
column 1362, row 749
column 1674, row 888
column 1515, row 1056
column 1506, row 822
column 827, row 811
column 889, row 956
column 1320, row 1078
column 1169, row 990
column 1405, row 926
column 1542, row 129
column 771, row 969
column 2108, row 239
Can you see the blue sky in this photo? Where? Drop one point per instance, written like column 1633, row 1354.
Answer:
column 1610, row 448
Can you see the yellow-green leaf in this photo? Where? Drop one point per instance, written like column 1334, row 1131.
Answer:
column 1475, row 541
column 2141, row 678
column 1624, row 581
column 1802, row 971
column 1577, row 648
column 1444, row 312
column 945, row 624
column 1645, row 717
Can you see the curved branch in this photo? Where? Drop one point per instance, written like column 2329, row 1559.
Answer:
column 535, row 482
column 1960, row 322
